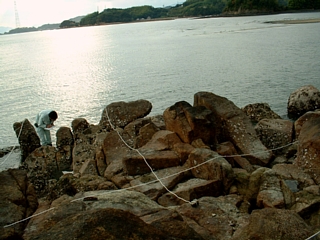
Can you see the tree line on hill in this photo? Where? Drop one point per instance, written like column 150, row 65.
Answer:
column 192, row 8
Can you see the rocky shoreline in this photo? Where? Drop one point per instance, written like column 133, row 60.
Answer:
column 204, row 171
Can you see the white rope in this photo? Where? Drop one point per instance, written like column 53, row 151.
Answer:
column 312, row 236
column 8, row 155
column 25, row 219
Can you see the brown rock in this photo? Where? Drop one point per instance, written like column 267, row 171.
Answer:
column 18, row 201
column 307, row 206
column 149, row 185
column 293, row 172
column 308, row 154
column 277, row 224
column 141, row 131
column 171, row 223
column 183, row 150
column 312, row 116
column 65, row 145
column 122, row 180
column 275, row 134
column 64, row 137
column 235, row 126
column 228, row 151
column 270, row 192
column 27, row 137
column 159, row 122
column 88, row 155
column 255, row 182
column 41, row 166
column 162, row 140
column 302, row 100
column 241, row 181
column 191, row 123
column 211, row 166
column 84, row 161
column 99, row 224
column 122, row 113
column 214, row 217
column 145, row 134
column 194, row 188
column 135, row 164
column 259, row 111
column 79, row 125
column 115, row 150
column 198, row 143
column 71, row 185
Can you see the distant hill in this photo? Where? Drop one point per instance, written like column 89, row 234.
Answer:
column 48, row 27
column 7, row 30
column 77, row 19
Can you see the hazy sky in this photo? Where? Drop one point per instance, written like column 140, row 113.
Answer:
column 34, row 13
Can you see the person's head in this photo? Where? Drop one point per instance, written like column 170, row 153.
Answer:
column 53, row 115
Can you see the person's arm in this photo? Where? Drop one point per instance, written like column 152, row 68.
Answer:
column 44, row 121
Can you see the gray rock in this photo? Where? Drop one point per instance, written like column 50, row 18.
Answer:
column 302, row 100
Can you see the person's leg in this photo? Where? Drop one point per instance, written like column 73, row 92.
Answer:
column 47, row 137
column 41, row 135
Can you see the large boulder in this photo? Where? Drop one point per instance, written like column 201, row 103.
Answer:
column 87, row 153
column 308, row 154
column 270, row 192
column 304, row 118
column 107, row 215
column 209, row 165
column 173, row 224
column 27, row 137
column 122, row 113
column 150, row 185
column 115, row 150
column 85, row 159
column 302, row 100
column 193, row 188
column 138, row 163
column 235, row 126
column 18, row 201
column 65, row 145
column 291, row 172
column 275, row 134
column 162, row 140
column 259, row 111
column 42, row 166
column 228, row 151
column 88, row 204
column 307, row 206
column 215, row 218
column 71, row 185
column 141, row 131
column 271, row 223
column 191, row 123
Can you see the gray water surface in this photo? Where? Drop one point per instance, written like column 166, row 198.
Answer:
column 79, row 71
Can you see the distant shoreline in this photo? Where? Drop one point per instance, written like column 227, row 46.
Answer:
column 298, row 21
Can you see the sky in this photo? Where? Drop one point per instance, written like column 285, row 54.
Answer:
column 35, row 13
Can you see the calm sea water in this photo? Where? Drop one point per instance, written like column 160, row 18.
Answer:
column 79, row 71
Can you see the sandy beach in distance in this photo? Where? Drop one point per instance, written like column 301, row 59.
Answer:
column 297, row 21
